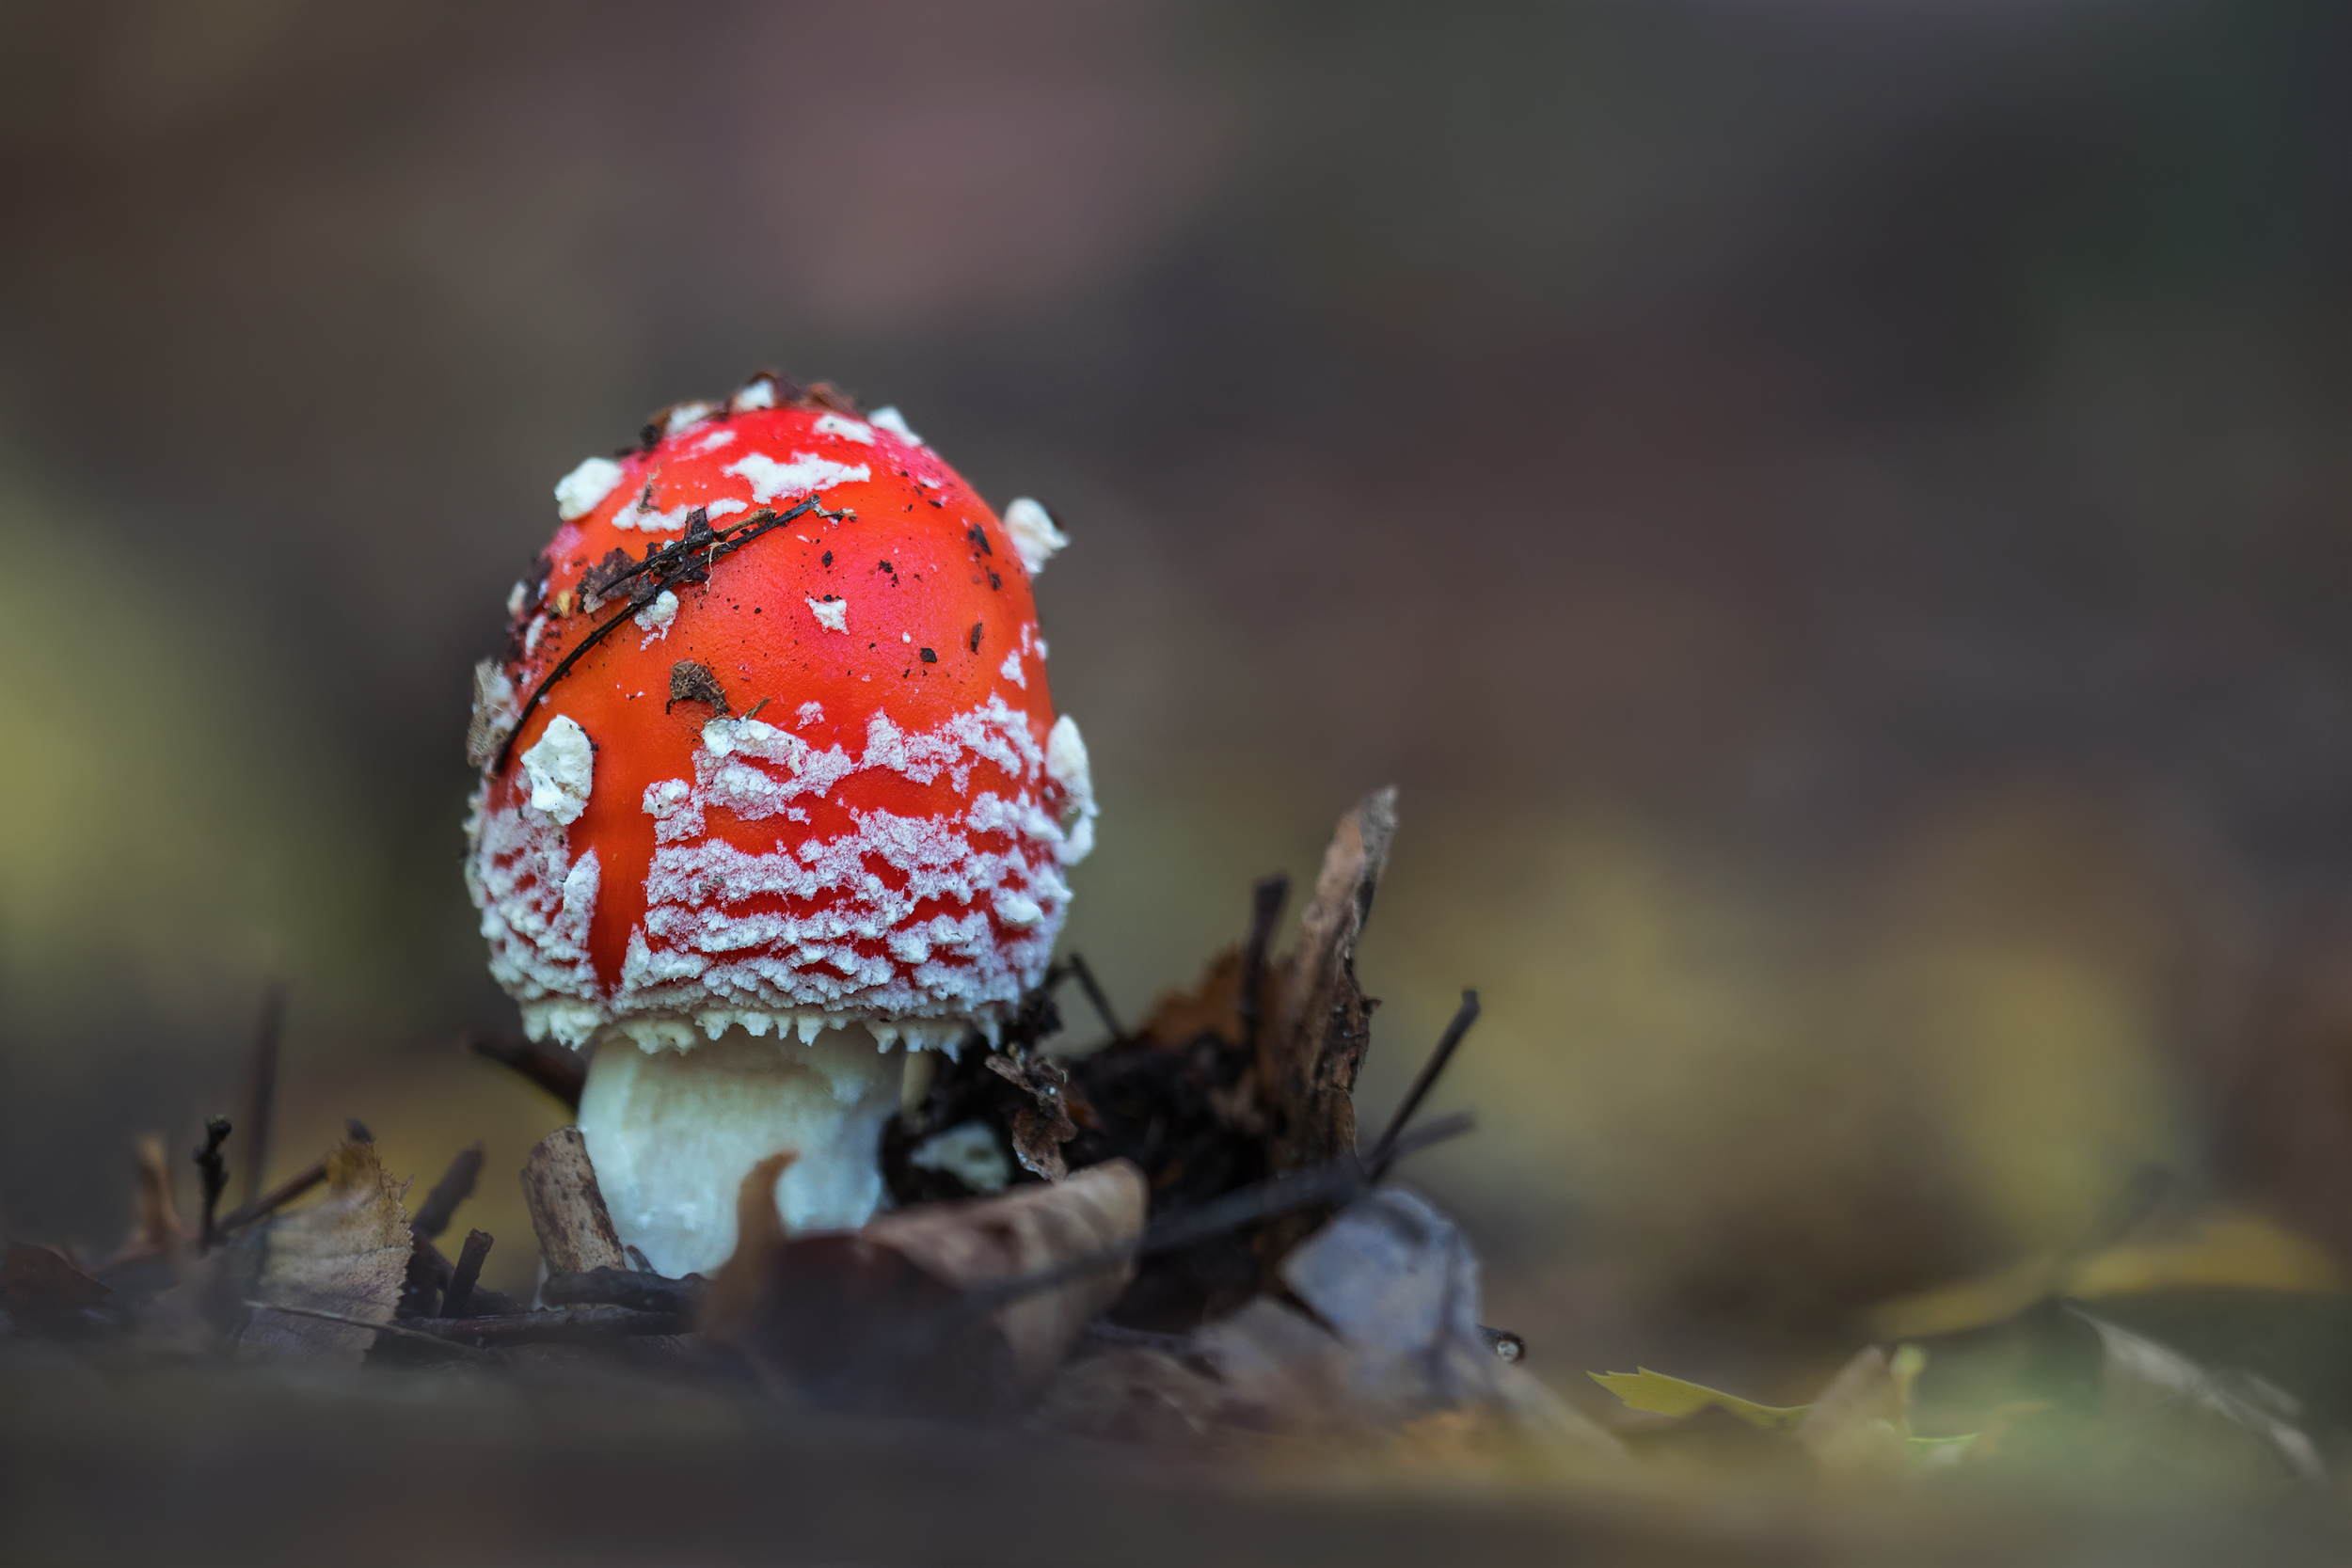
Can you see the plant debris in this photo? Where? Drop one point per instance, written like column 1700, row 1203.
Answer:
column 567, row 1210
column 1178, row 1241
column 43, row 1294
column 690, row 682
column 666, row 567
column 868, row 1317
column 347, row 1254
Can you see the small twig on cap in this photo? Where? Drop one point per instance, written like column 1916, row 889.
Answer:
column 215, row 1178
column 459, row 1293
column 1383, row 1151
column 1266, row 897
column 455, row 1186
column 681, row 560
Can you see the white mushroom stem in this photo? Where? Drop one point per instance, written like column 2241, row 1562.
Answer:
column 671, row 1133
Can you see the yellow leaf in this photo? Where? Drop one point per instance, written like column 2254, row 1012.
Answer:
column 1968, row 1304
column 2230, row 1247
column 1661, row 1395
column 2223, row 1246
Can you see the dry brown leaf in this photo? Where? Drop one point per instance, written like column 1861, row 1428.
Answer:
column 347, row 1254
column 1040, row 1129
column 42, row 1293
column 1133, row 1395
column 1398, row 1282
column 1207, row 1008
column 879, row 1316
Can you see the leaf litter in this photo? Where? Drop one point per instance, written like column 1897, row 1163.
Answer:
column 1192, row 1256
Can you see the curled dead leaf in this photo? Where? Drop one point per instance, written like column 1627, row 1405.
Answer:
column 41, row 1294
column 898, row 1314
column 1038, row 1129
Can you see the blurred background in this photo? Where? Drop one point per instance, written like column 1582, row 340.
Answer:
column 1832, row 515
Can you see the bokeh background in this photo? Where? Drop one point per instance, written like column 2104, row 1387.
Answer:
column 1834, row 514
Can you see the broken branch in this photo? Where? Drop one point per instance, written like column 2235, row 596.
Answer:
column 557, row 1326
column 567, row 1210
column 462, row 1280
column 643, row 1292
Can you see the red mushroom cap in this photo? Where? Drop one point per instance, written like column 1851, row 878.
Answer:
column 815, row 776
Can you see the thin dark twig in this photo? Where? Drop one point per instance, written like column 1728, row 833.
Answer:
column 1076, row 964
column 643, row 1292
column 453, row 1188
column 671, row 565
column 459, row 1293
column 1266, row 897
column 462, row 1350
column 573, row 1325
column 278, row 1197
column 262, row 1089
column 215, row 1178
column 1334, row 1182
column 1464, row 1016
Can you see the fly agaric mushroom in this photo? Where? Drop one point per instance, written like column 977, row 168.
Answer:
column 773, row 793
